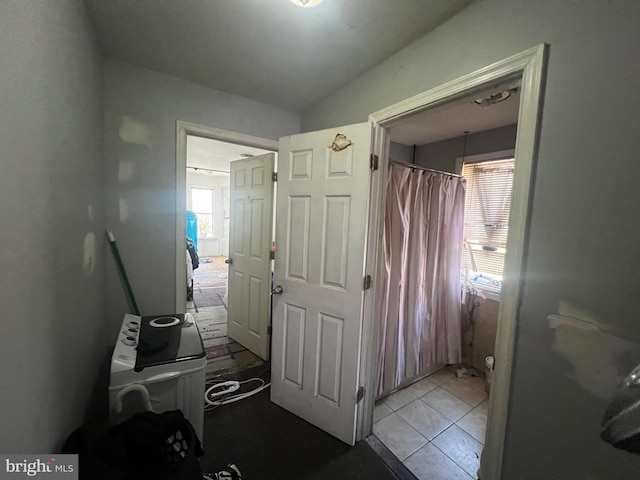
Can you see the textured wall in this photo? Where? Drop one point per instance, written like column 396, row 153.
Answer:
column 52, row 251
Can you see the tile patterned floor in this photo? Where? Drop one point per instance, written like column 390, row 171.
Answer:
column 436, row 426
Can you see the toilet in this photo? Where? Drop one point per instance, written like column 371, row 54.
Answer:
column 489, row 361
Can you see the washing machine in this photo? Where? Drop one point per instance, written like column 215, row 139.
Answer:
column 158, row 363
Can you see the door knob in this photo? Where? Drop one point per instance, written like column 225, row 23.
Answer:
column 228, row 261
column 277, row 290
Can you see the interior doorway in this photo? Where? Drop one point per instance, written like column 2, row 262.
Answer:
column 529, row 67
column 207, row 220
column 434, row 419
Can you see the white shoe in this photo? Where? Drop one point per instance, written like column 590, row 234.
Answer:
column 232, row 473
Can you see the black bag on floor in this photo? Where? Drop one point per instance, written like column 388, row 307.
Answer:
column 158, row 446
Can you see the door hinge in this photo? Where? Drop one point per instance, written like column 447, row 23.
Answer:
column 274, row 177
column 269, row 330
column 374, row 161
column 367, row 282
column 272, row 255
column 359, row 394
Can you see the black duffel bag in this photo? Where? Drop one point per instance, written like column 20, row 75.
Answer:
column 148, row 446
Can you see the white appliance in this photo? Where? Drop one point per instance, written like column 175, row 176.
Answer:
column 163, row 355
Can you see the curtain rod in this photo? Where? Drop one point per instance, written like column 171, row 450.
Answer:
column 414, row 166
column 208, row 169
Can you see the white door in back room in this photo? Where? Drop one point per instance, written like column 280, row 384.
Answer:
column 250, row 233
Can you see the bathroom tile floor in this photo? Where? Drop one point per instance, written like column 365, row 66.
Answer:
column 436, row 426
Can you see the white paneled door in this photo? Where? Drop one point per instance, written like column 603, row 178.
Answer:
column 322, row 205
column 250, row 234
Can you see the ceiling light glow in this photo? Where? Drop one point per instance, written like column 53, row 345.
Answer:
column 306, row 3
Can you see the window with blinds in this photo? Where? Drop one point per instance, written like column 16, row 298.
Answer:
column 486, row 218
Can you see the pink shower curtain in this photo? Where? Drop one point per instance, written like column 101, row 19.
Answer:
column 421, row 283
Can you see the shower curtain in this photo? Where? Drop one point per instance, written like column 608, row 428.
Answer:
column 421, row 324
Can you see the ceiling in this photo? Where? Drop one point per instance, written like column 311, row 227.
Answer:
column 446, row 121
column 213, row 156
column 267, row 50
column 452, row 119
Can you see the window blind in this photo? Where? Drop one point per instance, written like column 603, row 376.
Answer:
column 486, row 215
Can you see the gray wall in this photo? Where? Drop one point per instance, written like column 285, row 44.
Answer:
column 442, row 155
column 52, row 252
column 141, row 110
column 584, row 243
column 401, row 153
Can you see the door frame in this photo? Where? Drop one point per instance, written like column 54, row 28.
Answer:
column 183, row 129
column 530, row 66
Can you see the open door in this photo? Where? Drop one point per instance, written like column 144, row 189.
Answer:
column 322, row 202
column 250, row 234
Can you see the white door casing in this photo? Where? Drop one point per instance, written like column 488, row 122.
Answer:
column 322, row 201
column 250, row 233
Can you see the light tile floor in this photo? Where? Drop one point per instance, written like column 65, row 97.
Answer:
column 436, row 426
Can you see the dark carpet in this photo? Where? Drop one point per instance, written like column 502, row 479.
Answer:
column 267, row 442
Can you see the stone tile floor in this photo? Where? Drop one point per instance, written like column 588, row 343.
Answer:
column 436, row 426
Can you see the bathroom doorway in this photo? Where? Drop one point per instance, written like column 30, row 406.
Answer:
column 436, row 418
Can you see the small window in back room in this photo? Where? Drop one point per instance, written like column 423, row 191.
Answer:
column 486, row 220
column 202, row 206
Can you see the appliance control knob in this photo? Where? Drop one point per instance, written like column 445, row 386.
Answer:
column 129, row 341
